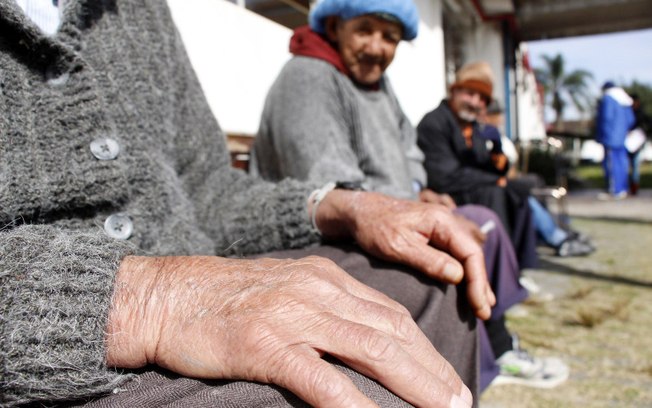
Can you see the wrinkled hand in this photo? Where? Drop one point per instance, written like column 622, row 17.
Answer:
column 427, row 237
column 499, row 161
column 428, row 196
column 270, row 321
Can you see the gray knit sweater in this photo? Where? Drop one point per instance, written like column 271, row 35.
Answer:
column 116, row 69
column 318, row 125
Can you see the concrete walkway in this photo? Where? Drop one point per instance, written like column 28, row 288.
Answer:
column 585, row 204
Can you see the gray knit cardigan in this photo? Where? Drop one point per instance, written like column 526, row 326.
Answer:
column 116, row 69
column 318, row 125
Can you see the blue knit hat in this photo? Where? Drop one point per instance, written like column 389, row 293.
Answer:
column 403, row 10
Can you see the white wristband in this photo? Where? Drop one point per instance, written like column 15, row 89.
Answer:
column 316, row 198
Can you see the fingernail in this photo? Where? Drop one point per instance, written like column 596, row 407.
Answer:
column 466, row 395
column 492, row 298
column 458, row 402
column 453, row 272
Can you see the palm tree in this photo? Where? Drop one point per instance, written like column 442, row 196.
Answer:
column 563, row 87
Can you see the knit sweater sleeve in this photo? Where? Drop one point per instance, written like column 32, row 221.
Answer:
column 305, row 127
column 55, row 292
column 241, row 214
column 412, row 151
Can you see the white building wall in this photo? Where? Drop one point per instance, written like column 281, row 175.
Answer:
column 531, row 124
column 418, row 71
column 485, row 43
column 237, row 55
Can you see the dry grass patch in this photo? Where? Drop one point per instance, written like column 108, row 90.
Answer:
column 596, row 315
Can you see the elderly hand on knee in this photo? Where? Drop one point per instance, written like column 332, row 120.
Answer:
column 270, row 321
column 425, row 236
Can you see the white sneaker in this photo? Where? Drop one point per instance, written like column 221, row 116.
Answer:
column 529, row 284
column 620, row 196
column 573, row 246
column 519, row 367
column 611, row 197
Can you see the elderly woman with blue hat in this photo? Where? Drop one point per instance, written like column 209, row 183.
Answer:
column 332, row 116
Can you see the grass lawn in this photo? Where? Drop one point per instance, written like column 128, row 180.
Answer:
column 598, row 322
column 593, row 176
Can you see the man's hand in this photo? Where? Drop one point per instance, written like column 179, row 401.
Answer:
column 428, row 196
column 500, row 161
column 271, row 321
column 427, row 237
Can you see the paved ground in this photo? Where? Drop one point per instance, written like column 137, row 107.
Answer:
column 586, row 204
column 594, row 312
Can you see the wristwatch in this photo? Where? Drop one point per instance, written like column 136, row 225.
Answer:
column 318, row 195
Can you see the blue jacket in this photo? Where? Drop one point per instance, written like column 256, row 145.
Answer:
column 615, row 118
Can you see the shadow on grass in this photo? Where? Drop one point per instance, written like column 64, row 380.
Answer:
column 619, row 220
column 552, row 267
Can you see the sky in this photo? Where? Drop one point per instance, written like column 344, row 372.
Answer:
column 620, row 57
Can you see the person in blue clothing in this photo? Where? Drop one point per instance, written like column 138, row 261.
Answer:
column 615, row 117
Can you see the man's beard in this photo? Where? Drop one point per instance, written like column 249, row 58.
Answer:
column 468, row 114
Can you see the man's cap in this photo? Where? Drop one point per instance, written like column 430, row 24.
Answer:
column 494, row 108
column 608, row 84
column 476, row 76
column 403, row 11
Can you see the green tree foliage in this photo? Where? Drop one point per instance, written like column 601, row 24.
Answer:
column 562, row 87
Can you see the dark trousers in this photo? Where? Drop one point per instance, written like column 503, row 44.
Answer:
column 503, row 274
column 514, row 212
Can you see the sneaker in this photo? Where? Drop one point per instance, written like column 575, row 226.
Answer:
column 620, row 196
column 573, row 246
column 529, row 284
column 517, row 366
column 581, row 237
column 612, row 197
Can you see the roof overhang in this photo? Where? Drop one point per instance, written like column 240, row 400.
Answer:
column 547, row 19
column 528, row 19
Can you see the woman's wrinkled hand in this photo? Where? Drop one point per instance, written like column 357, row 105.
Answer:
column 271, row 321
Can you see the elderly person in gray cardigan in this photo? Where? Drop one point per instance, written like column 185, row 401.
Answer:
column 116, row 193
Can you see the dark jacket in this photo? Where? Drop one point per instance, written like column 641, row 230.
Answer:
column 451, row 166
column 468, row 174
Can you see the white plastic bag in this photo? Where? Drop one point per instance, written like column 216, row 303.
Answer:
column 635, row 140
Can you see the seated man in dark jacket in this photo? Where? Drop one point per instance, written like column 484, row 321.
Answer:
column 458, row 163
